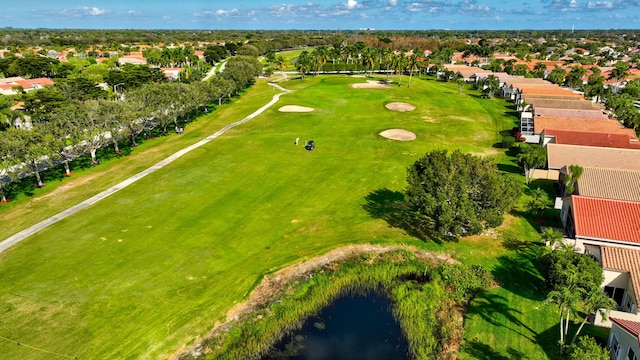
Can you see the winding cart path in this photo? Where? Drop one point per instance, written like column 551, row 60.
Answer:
column 20, row 236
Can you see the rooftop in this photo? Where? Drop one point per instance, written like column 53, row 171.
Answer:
column 560, row 123
column 606, row 219
column 614, row 184
column 626, row 260
column 632, row 327
column 588, row 138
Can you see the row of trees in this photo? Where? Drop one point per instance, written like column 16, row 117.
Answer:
column 81, row 128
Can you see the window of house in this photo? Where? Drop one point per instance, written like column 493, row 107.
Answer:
column 614, row 347
column 631, row 355
column 615, row 293
column 628, row 303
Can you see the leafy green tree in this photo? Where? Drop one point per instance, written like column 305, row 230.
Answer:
column 493, row 85
column 539, row 70
column 574, row 172
column 557, row 75
column 623, row 108
column 619, row 72
column 458, row 194
column 11, row 165
column 539, row 202
column 34, row 148
column 532, row 156
column 553, row 239
column 595, row 84
column 574, row 280
column 574, row 77
column 587, row 349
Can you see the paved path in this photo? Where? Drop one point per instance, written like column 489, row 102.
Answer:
column 16, row 238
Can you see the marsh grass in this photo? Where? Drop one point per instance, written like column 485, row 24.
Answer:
column 429, row 316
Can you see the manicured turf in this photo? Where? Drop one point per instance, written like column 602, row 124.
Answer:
column 153, row 267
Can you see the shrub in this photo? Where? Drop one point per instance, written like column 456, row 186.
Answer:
column 508, row 141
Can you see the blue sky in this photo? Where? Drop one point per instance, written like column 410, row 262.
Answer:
column 322, row 14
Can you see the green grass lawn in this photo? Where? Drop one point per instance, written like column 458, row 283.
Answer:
column 154, row 266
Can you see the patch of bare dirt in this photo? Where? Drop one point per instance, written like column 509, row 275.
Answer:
column 398, row 134
column 275, row 283
column 295, row 108
column 400, row 106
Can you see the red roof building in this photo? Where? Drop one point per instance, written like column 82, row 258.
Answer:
column 586, row 138
column 602, row 220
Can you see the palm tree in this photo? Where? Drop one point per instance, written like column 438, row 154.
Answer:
column 553, row 239
column 460, row 81
column 567, row 299
column 573, row 175
column 399, row 64
column 539, row 70
column 619, row 72
column 303, row 63
column 412, row 63
column 596, row 301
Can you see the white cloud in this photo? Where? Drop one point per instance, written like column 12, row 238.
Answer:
column 96, row 11
column 226, row 13
column 600, row 5
column 414, row 7
column 393, row 2
column 352, row 4
column 133, row 13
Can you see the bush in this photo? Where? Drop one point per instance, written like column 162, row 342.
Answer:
column 587, row 349
column 508, row 141
column 465, row 281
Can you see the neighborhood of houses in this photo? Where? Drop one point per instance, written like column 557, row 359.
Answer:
column 601, row 217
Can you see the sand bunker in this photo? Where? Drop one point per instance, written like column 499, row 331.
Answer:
column 370, row 84
column 398, row 134
column 295, row 108
column 400, row 106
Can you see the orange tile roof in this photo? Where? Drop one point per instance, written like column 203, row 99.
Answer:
column 561, row 155
column 632, row 327
column 625, row 260
column 606, row 219
column 594, row 125
column 588, row 138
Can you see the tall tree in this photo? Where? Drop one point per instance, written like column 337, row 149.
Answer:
column 458, row 194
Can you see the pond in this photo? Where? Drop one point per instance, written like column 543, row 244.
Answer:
column 351, row 327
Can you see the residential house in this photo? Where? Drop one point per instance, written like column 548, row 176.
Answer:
column 624, row 340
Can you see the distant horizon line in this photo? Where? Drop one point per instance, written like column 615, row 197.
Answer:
column 319, row 30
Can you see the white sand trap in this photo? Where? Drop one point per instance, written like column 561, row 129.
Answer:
column 295, row 108
column 370, row 84
column 398, row 134
column 400, row 106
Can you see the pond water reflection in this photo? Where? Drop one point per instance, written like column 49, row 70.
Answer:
column 352, row 327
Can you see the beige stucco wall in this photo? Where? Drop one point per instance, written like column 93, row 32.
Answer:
column 625, row 340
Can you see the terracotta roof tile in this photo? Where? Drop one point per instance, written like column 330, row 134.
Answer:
column 558, row 123
column 614, row 184
column 633, row 327
column 588, row 138
column 606, row 219
column 621, row 259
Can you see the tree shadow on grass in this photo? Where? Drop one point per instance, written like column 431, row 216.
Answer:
column 391, row 207
column 482, row 351
column 493, row 308
column 521, row 272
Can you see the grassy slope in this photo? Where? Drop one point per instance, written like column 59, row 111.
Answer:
column 154, row 266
